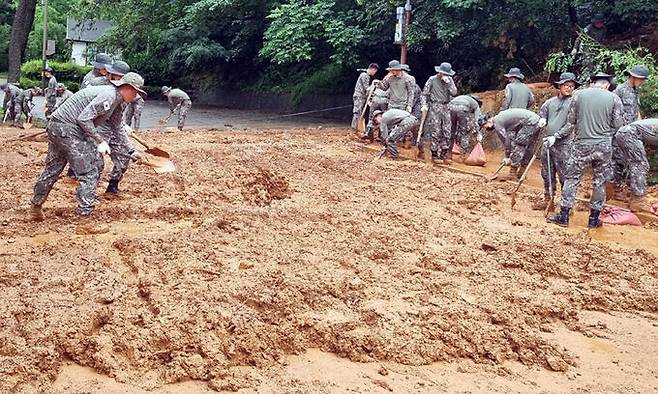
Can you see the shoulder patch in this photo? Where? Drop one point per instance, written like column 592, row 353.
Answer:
column 106, row 105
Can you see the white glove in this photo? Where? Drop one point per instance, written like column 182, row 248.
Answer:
column 424, row 108
column 446, row 79
column 574, row 52
column 409, row 108
column 507, row 161
column 479, row 137
column 103, row 148
column 549, row 141
column 542, row 123
column 135, row 156
column 127, row 129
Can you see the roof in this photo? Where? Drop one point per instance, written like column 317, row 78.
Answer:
column 86, row 30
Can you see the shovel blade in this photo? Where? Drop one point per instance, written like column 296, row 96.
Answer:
column 155, row 151
column 160, row 165
column 361, row 125
column 27, row 126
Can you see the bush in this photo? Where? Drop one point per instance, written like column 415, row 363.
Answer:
column 70, row 74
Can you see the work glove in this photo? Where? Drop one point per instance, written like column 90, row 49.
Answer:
column 103, row 148
column 507, row 161
column 409, row 108
column 424, row 108
column 135, row 156
column 479, row 137
column 542, row 123
column 549, row 141
column 127, row 129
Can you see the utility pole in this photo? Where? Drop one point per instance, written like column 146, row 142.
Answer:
column 405, row 28
column 45, row 42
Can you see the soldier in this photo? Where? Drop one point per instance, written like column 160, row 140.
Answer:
column 74, row 138
column 12, row 92
column 400, row 87
column 464, row 116
column 630, row 98
column 378, row 102
column 597, row 29
column 437, row 93
column 100, row 63
column 51, row 91
column 178, row 99
column 517, row 93
column 63, row 93
column 361, row 91
column 595, row 115
column 554, row 112
column 23, row 104
column 133, row 113
column 394, row 125
column 631, row 140
column 416, row 106
column 518, row 130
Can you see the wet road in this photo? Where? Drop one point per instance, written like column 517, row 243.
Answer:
column 213, row 117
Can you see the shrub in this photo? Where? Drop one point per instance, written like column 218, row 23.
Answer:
column 69, row 74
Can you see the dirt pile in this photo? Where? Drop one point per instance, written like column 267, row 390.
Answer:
column 271, row 243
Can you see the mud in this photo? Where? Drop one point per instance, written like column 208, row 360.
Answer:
column 266, row 244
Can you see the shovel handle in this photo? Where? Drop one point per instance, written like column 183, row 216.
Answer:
column 136, row 138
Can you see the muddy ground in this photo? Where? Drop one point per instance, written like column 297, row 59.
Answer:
column 289, row 261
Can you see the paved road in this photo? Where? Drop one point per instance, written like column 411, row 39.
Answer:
column 213, row 117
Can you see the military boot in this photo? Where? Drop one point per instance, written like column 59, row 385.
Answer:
column 447, row 156
column 561, row 219
column 511, row 176
column 435, row 157
column 594, row 221
column 37, row 213
column 113, row 187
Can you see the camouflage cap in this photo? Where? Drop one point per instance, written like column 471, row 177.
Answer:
column 102, row 60
column 133, row 79
column 119, row 68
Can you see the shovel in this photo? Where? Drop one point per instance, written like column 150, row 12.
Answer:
column 420, row 133
column 155, row 151
column 551, row 188
column 523, row 177
column 28, row 123
column 26, row 137
column 160, row 165
column 495, row 174
column 4, row 120
column 361, row 123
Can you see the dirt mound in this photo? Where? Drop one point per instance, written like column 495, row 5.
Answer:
column 221, row 265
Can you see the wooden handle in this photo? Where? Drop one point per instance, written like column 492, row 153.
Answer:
column 136, row 138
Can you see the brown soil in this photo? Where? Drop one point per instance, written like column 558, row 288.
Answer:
column 267, row 245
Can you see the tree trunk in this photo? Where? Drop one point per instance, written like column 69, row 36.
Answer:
column 20, row 31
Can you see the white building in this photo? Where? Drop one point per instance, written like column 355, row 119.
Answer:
column 83, row 36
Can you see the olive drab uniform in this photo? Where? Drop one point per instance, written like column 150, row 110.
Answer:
column 631, row 140
column 464, row 115
column 121, row 149
column 594, row 117
column 359, row 97
column 51, row 96
column 517, row 95
column 73, row 137
column 436, row 95
column 556, row 112
column 400, row 92
column 179, row 99
column 395, row 125
column 133, row 114
column 518, row 130
column 630, row 100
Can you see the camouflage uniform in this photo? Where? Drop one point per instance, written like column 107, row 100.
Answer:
column 517, row 95
column 12, row 92
column 436, row 96
column 518, row 130
column 395, row 125
column 594, row 117
column 416, row 110
column 631, row 140
column 73, row 138
column 401, row 91
column 359, row 97
column 556, row 112
column 631, row 102
column 23, row 105
column 133, row 114
column 65, row 95
column 51, row 96
column 86, row 80
column 378, row 101
column 179, row 99
column 464, row 114
column 121, row 149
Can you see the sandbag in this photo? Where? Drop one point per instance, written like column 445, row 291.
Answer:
column 620, row 217
column 456, row 150
column 477, row 156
